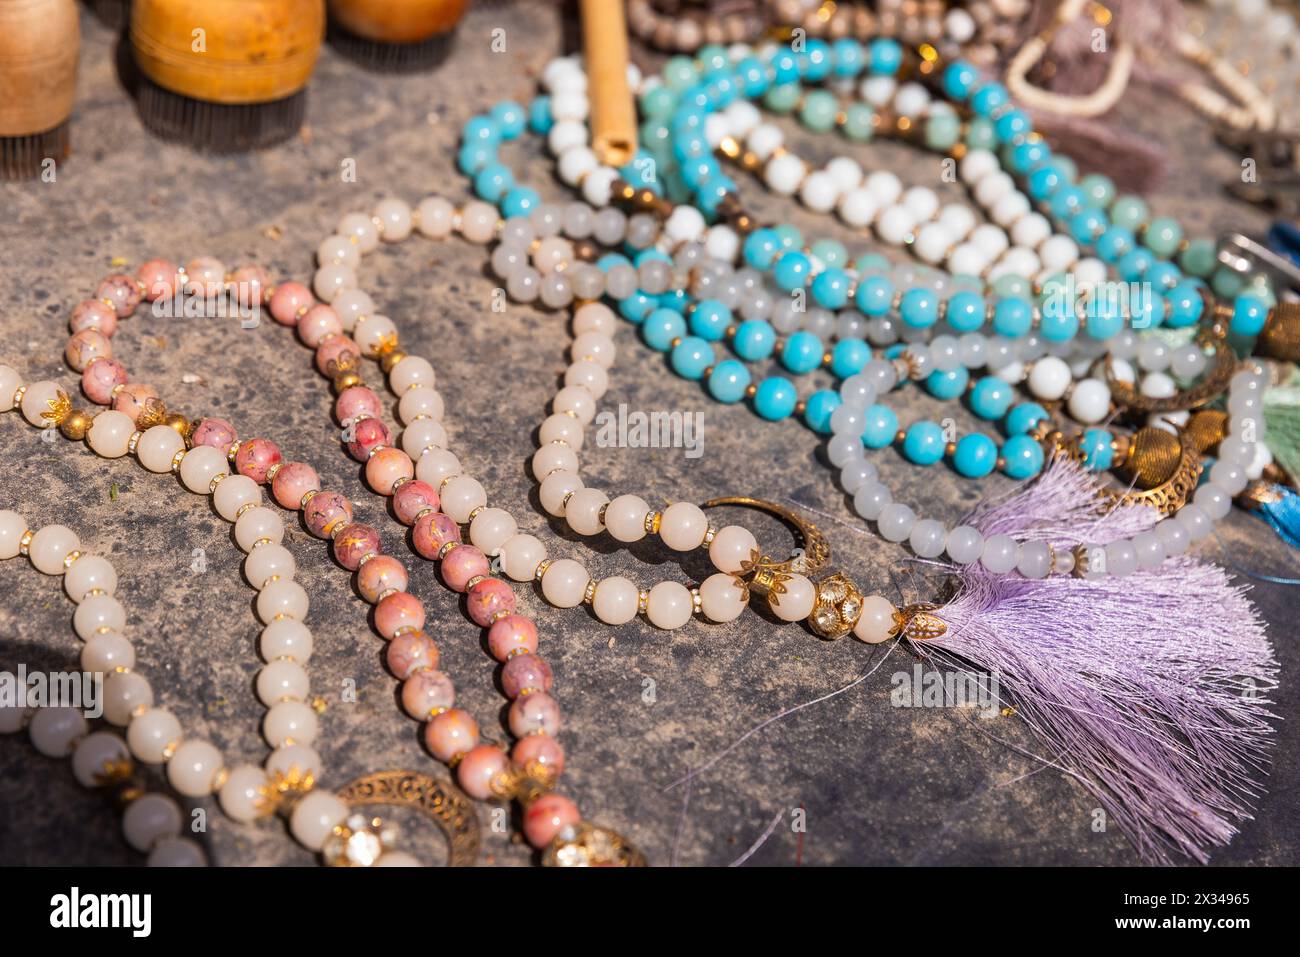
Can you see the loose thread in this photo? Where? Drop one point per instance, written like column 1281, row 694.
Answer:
column 681, row 823
column 690, row 775
column 1230, row 562
column 760, row 842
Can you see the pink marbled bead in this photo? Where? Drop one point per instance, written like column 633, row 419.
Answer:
column 101, row 378
column 452, row 733
column 481, row 770
column 133, row 397
column 94, row 314
column 288, row 301
column 120, row 290
column 292, row 482
column 366, row 434
column 488, row 599
column 432, row 533
column 159, row 279
column 86, row 345
column 382, row 573
column 318, row 322
column 399, row 610
column 255, row 457
column 326, row 511
column 463, row 564
column 533, row 713
column 355, row 401
column 539, row 754
column 250, row 285
column 412, row 499
column 525, row 673
column 547, row 817
column 329, row 352
column 425, row 692
column 206, row 277
column 409, row 652
column 215, row 432
column 386, row 467
column 353, row 543
column 510, row 636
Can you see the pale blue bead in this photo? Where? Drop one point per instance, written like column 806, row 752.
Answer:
column 1000, row 554
column 1035, row 560
column 895, row 522
column 871, row 499
column 965, row 544
column 1121, row 558
column 843, row 450
column 856, row 472
column 928, row 538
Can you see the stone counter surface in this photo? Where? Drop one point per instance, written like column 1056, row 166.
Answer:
column 875, row 784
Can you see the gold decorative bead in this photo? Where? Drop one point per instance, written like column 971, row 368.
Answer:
column 837, row 607
column 153, row 413
column 1153, row 456
column 182, row 425
column 75, row 425
column 391, row 359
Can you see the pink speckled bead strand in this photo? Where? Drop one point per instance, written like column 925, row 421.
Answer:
column 483, row 769
column 195, row 767
column 380, row 579
column 101, row 760
column 427, row 693
column 565, row 582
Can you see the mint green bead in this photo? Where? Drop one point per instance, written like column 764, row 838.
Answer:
column 1099, row 189
column 1163, row 236
column 679, row 73
column 1199, row 258
column 858, row 124
column 657, row 102
column 1129, row 212
column 818, row 112
column 942, row 130
column 1227, row 283
column 980, row 134
column 1011, row 286
column 1055, row 285
column 871, row 263
column 1068, row 168
column 789, row 235
column 782, row 97
column 830, row 252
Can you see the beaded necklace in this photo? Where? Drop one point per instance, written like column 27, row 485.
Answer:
column 139, row 423
column 101, row 760
column 775, row 398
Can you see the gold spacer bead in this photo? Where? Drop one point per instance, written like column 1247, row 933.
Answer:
column 178, row 422
column 76, row 425
column 346, row 380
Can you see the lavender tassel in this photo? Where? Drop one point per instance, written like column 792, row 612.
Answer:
column 1151, row 689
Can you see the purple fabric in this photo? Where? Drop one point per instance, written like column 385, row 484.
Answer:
column 1151, row 690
